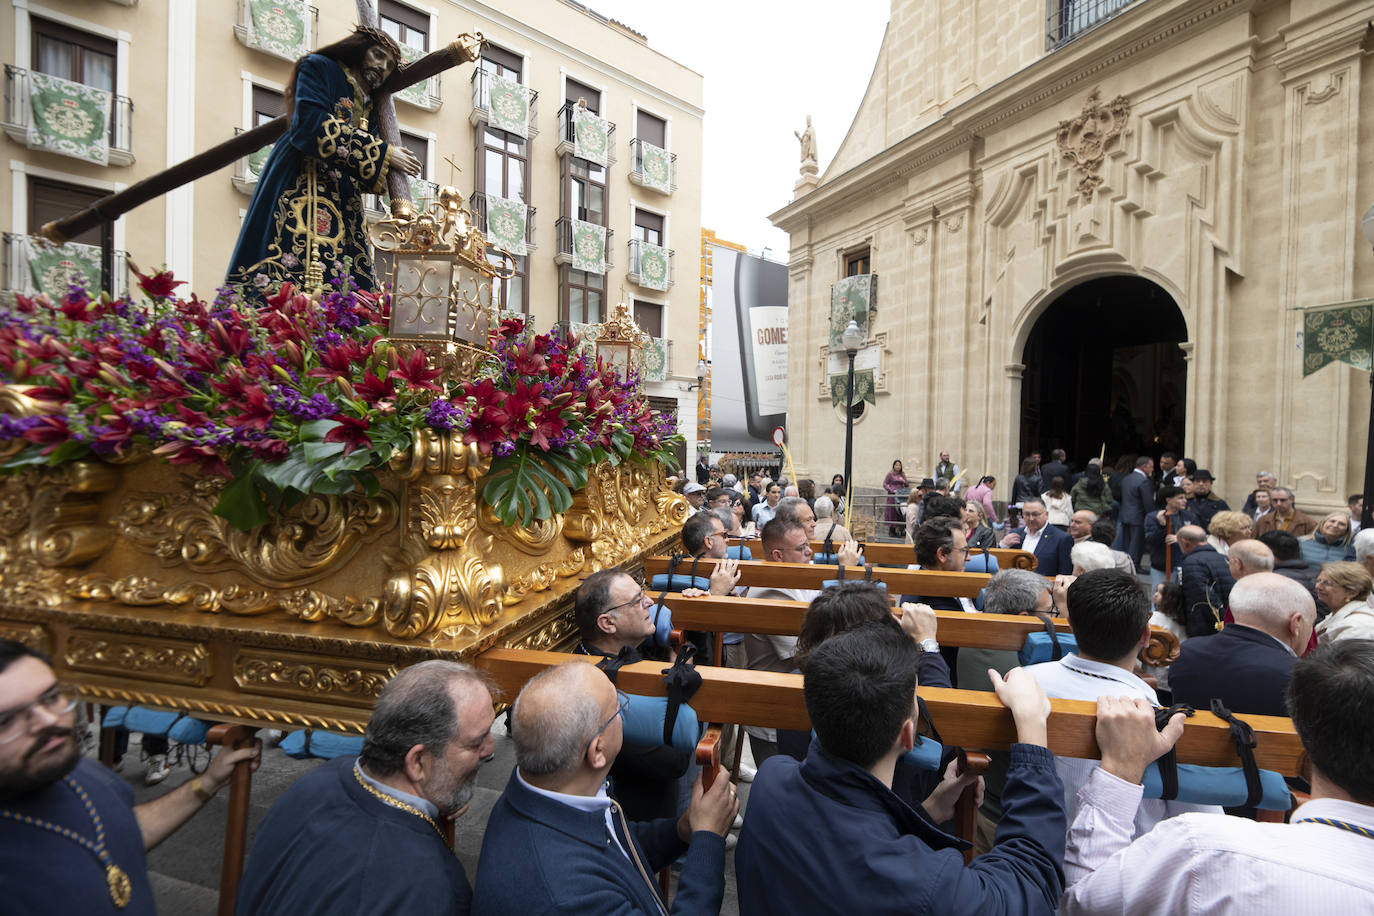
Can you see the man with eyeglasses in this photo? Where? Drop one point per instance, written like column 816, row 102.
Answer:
column 1051, row 546
column 558, row 841
column 71, row 839
column 615, row 618
column 1285, row 517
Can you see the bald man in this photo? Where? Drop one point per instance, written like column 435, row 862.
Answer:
column 1207, row 581
column 1247, row 664
column 557, row 842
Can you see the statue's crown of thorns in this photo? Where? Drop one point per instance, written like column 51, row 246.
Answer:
column 381, row 38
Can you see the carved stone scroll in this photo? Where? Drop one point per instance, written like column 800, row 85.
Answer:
column 1083, row 140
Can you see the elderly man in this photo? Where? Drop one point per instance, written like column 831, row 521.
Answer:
column 558, row 842
column 1207, row 581
column 615, row 617
column 696, row 496
column 1081, row 525
column 1318, row 862
column 1247, row 557
column 1050, row 545
column 306, row 209
column 1110, row 616
column 794, row 509
column 828, row 834
column 1247, row 664
column 1264, row 480
column 71, row 838
column 363, row 834
column 1285, row 517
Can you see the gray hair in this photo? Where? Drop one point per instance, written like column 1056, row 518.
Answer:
column 553, row 737
column 1364, row 544
column 726, row 516
column 789, row 508
column 1034, row 499
column 1287, row 492
column 1091, row 555
column 1252, row 555
column 416, row 707
column 1270, row 599
column 1270, row 474
column 824, row 507
column 1013, row 591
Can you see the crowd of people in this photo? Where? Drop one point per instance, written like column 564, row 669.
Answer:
column 1274, row 619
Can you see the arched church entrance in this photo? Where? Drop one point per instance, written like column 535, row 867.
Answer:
column 1103, row 367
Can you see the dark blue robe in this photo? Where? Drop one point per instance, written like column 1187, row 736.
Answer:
column 328, row 846
column 317, row 173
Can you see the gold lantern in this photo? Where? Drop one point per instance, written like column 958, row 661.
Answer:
column 619, row 340
column 440, row 281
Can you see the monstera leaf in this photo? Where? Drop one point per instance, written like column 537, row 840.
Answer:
column 531, row 484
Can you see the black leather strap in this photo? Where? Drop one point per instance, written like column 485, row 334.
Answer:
column 1056, row 650
column 1168, row 764
column 680, row 682
column 1244, row 737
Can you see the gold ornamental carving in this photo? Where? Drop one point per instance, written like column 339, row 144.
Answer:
column 306, row 543
column 558, row 632
column 1083, row 141
column 162, row 659
column 35, row 636
column 256, row 713
column 54, row 513
column 306, row 678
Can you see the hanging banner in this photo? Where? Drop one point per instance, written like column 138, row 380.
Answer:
column 656, row 167
column 590, row 136
column 1339, row 334
column 53, row 268
column 865, row 375
column 588, row 247
column 506, row 225
column 419, row 93
column 849, row 301
column 653, row 266
column 258, row 161
column 509, row 105
column 654, row 360
column 72, row 119
column 280, row 27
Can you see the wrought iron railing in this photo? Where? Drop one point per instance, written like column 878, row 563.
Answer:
column 1068, row 19
column 19, row 113
column 478, row 204
column 636, row 274
column 563, row 231
column 481, row 101
column 241, row 22
column 16, row 276
column 567, row 137
column 637, row 166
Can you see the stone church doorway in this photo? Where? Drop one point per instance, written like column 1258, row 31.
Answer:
column 1104, row 366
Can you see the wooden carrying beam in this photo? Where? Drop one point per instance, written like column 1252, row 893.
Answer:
column 754, row 573
column 965, row 718
column 1007, row 558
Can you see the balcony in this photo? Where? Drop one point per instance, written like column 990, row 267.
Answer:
column 19, row 113
column 663, row 184
column 16, row 270
column 281, row 43
column 650, row 272
column 478, row 205
column 481, row 103
column 566, row 138
column 424, row 95
column 563, row 229
column 1070, row 18
column 656, row 360
column 422, row 192
column 248, row 168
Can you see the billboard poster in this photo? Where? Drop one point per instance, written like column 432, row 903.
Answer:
column 748, row 351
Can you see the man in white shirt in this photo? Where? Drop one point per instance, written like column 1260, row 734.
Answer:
column 1110, row 616
column 1316, row 863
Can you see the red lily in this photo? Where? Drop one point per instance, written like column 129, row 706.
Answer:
column 256, row 413
column 50, row 432
column 549, row 423
column 415, row 372
column 350, row 431
column 373, row 389
column 160, row 285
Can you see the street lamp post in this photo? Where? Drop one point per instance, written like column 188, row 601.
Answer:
column 853, row 339
column 1367, row 516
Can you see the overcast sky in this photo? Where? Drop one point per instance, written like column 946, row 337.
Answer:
column 766, row 65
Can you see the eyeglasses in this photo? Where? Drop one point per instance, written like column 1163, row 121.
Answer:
column 622, row 702
column 963, row 550
column 57, row 700
column 638, row 599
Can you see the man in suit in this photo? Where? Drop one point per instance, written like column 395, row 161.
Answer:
column 1247, row 664
column 1050, row 545
column 1056, row 467
column 1137, row 500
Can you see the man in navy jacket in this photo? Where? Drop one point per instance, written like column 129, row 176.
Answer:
column 1247, row 665
column 1050, row 545
column 556, row 842
column 1207, row 581
column 1137, row 501
column 827, row 835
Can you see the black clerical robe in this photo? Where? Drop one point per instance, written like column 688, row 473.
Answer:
column 329, row 846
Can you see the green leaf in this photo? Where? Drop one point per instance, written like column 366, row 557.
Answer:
column 317, row 429
column 242, row 504
column 319, row 451
column 70, row 450
column 295, row 473
column 29, row 456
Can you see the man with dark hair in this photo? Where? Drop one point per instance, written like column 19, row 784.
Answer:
column 1318, row 862
column 1168, row 469
column 1161, row 534
column 1288, row 562
column 1110, row 616
column 718, row 497
column 362, row 834
column 1286, row 516
column 1206, row 579
column 1057, row 466
column 615, row 617
column 1137, row 501
column 941, row 546
column 829, row 832
column 558, row 842
column 1052, row 547
column 1204, row 503
column 71, row 838
column 306, row 215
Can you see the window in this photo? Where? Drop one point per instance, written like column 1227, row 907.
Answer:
column 408, row 26
column 78, row 56
column 267, row 106
column 649, row 317
column 648, row 227
column 856, row 263
column 651, row 129
column 584, row 189
column 511, row 295
column 503, row 171
column 502, row 62
column 50, row 200
column 584, row 296
column 576, row 90
column 420, row 147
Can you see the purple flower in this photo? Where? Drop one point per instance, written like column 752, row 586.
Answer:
column 444, row 415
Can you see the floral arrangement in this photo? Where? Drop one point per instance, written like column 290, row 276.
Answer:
column 308, row 396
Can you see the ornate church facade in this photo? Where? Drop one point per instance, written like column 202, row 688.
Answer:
column 1090, row 224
